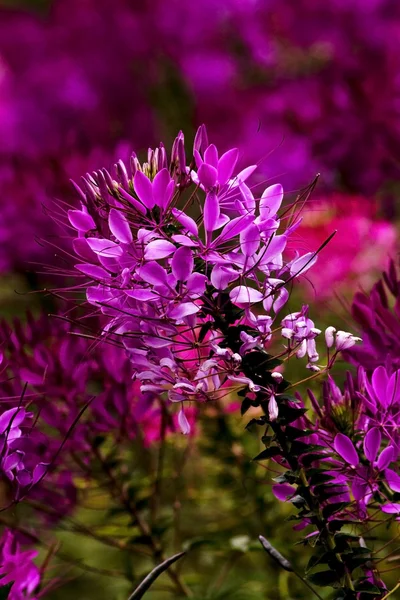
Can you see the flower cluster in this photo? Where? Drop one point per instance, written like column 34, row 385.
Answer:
column 173, row 253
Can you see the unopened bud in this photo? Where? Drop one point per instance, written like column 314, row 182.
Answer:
column 277, row 376
column 329, row 336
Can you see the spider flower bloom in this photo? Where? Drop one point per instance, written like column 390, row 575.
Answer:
column 167, row 249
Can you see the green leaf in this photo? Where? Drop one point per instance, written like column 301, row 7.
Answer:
column 288, row 477
column 298, row 501
column 318, row 559
column 293, row 433
column 324, row 578
column 260, row 421
column 288, row 414
column 5, row 590
column 348, row 537
column 268, row 453
column 307, row 459
column 246, row 404
column 267, row 439
column 367, row 587
column 320, row 477
column 331, row 509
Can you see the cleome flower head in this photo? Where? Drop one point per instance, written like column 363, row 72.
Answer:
column 168, row 248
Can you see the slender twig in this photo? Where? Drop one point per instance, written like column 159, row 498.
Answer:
column 160, row 463
column 391, row 591
column 120, row 495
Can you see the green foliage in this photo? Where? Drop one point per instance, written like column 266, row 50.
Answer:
column 5, row 591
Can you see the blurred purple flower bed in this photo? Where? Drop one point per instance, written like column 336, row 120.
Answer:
column 302, row 88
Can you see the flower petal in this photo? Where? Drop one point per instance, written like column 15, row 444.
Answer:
column 183, row 422
column 393, row 480
column 345, row 448
column 119, row 226
column 188, row 223
column 300, row 265
column 211, row 155
column 226, row 165
column 391, row 508
column 162, row 190
column 211, row 212
column 283, row 491
column 222, row 276
column 207, row 176
column 372, row 443
column 182, row 263
column 104, row 247
column 183, row 310
column 250, row 240
column 158, row 249
column 271, row 201
column 143, row 189
column 153, row 273
column 81, row 220
column 243, row 295
column 385, row 458
column 232, row 228
column 379, row 382
column 93, row 271
column 196, row 284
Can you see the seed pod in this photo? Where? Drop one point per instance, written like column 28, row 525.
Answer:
column 277, row 556
column 152, row 576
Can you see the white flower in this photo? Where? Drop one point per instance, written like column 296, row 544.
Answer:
column 345, row 340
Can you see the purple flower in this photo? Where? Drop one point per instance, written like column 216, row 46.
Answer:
column 299, row 329
column 17, row 567
column 378, row 316
column 153, row 268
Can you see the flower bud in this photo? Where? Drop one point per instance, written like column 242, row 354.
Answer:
column 277, row 376
column 329, row 336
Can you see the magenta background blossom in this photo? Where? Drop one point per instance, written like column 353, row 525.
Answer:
column 242, row 72
column 349, row 260
column 17, row 567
